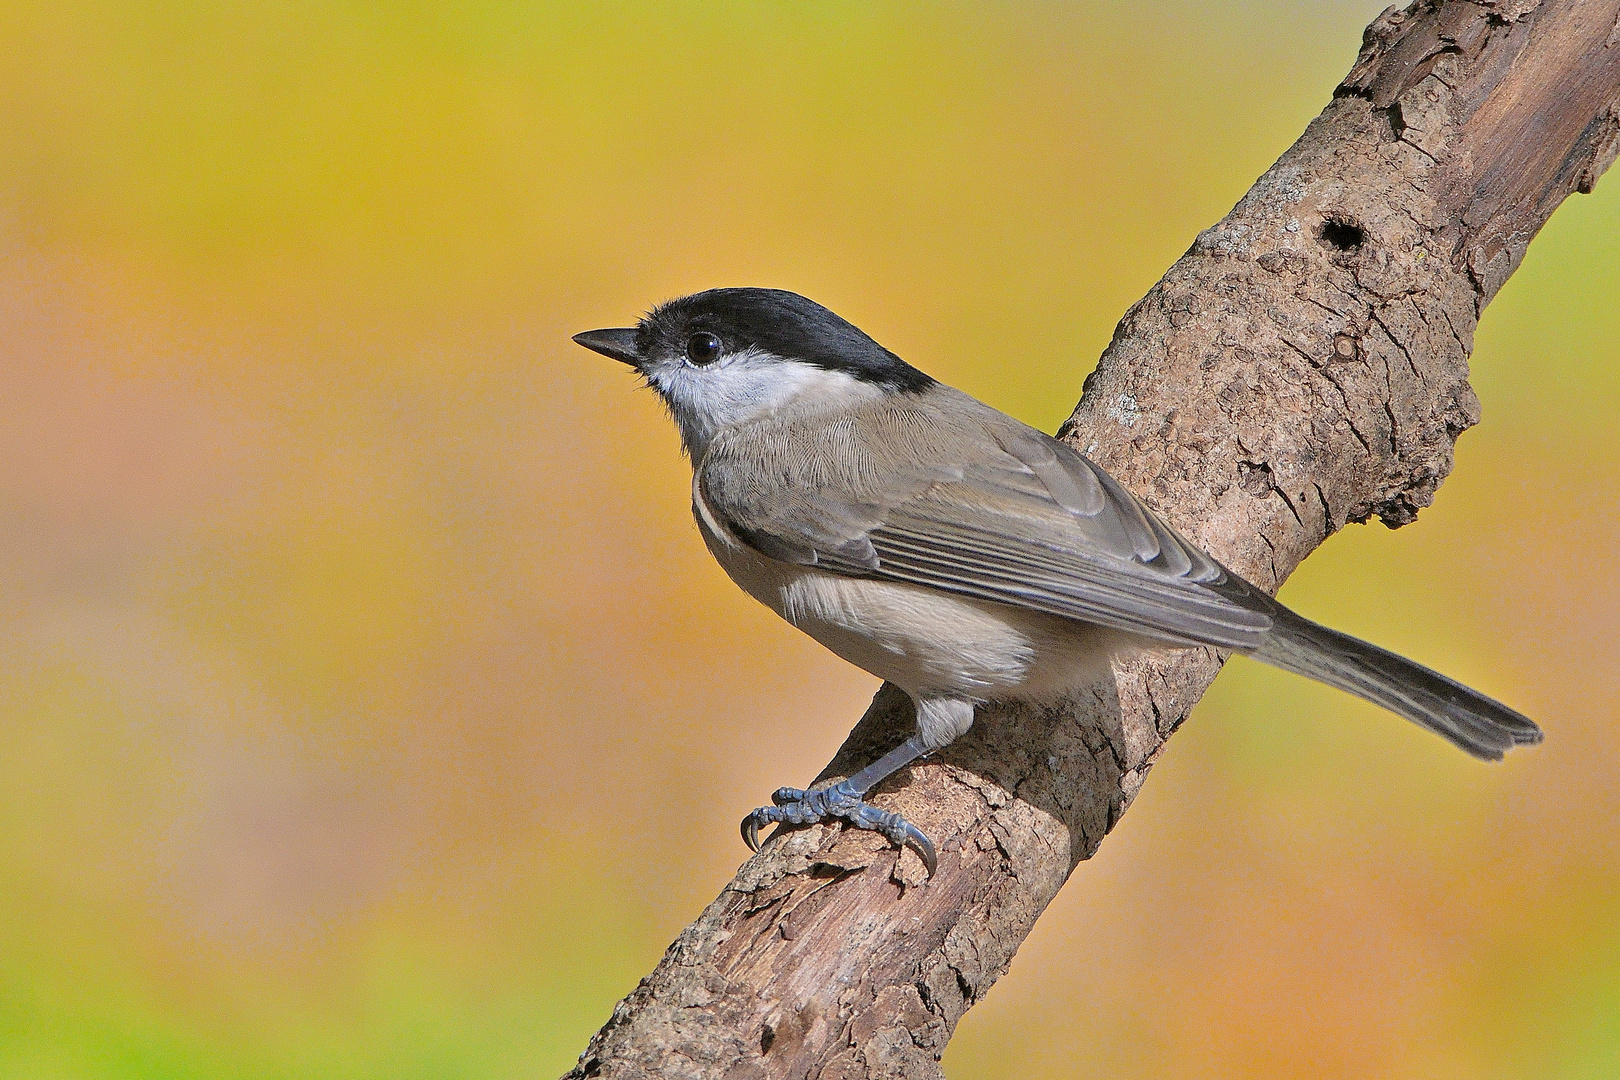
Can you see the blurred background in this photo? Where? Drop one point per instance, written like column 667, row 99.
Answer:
column 348, row 612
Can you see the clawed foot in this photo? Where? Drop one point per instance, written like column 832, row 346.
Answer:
column 794, row 806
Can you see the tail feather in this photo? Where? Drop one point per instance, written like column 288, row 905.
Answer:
column 1485, row 728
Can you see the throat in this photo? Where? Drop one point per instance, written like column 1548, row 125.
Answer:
column 705, row 403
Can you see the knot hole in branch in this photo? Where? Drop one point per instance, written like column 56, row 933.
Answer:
column 1342, row 234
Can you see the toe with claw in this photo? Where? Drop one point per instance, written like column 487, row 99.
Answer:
column 841, row 801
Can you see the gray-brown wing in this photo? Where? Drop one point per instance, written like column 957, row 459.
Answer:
column 1001, row 513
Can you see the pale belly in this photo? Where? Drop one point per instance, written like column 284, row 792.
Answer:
column 927, row 642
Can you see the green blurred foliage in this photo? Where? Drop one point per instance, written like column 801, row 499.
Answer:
column 350, row 617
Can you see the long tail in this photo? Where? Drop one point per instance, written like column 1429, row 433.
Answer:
column 1485, row 728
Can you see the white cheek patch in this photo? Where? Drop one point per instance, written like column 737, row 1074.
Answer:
column 747, row 386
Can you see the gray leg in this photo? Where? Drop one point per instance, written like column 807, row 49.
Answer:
column 846, row 800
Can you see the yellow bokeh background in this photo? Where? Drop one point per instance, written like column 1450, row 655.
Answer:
column 368, row 705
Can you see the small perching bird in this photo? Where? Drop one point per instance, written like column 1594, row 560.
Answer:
column 949, row 549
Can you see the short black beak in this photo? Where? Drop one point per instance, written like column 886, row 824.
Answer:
column 619, row 344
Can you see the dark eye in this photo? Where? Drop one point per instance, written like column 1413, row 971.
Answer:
column 703, row 348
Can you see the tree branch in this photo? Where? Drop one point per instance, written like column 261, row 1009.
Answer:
column 1303, row 365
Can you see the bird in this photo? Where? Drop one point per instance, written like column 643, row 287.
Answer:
column 951, row 549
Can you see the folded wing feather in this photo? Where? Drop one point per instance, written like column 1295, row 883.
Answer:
column 1000, row 512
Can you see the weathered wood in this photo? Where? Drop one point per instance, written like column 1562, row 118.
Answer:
column 1303, row 365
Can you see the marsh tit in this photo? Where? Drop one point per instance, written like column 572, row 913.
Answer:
column 949, row 549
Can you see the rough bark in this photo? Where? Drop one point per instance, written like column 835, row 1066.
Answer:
column 1303, row 365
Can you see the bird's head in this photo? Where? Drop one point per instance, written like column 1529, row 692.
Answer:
column 731, row 356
